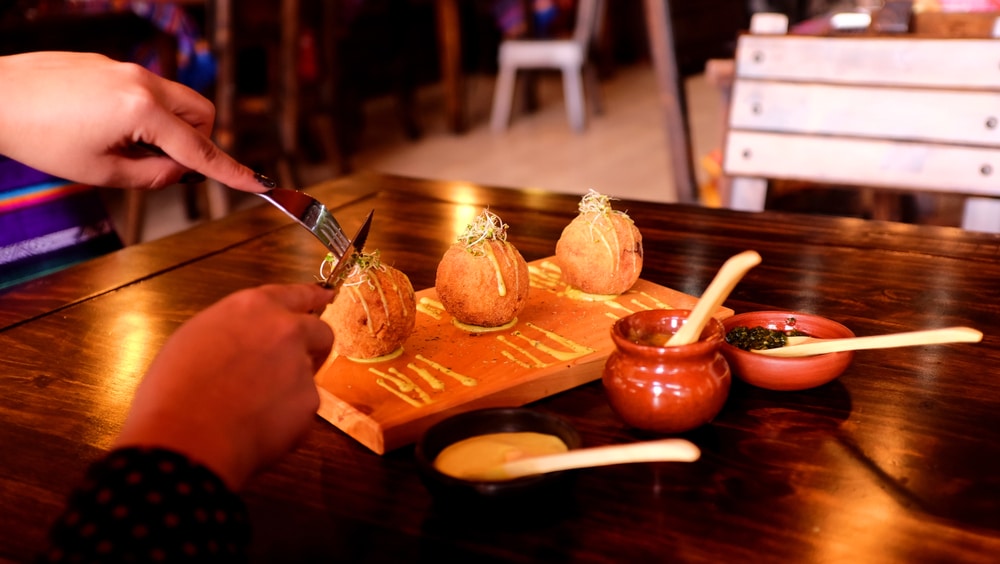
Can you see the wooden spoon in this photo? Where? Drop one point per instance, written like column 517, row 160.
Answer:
column 716, row 293
column 808, row 346
column 665, row 450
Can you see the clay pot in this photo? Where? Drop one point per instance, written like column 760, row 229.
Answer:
column 665, row 389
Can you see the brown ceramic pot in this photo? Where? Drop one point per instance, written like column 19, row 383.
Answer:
column 665, row 389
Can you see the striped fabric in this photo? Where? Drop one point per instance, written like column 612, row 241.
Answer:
column 47, row 224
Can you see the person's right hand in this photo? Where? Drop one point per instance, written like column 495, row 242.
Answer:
column 233, row 387
column 90, row 119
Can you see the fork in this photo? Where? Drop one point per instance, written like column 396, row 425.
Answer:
column 303, row 208
column 311, row 214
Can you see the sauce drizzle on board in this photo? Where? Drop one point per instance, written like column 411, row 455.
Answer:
column 560, row 340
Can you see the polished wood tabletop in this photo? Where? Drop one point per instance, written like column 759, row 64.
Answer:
column 896, row 461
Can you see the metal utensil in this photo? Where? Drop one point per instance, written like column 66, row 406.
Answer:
column 355, row 245
column 313, row 215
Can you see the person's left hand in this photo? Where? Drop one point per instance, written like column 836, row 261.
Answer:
column 233, row 387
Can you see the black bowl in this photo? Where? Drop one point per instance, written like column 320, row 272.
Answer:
column 526, row 490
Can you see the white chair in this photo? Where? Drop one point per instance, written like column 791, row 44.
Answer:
column 907, row 113
column 568, row 55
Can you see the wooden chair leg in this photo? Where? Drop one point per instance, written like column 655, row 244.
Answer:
column 981, row 214
column 573, row 93
column 746, row 194
column 135, row 216
column 217, row 196
column 503, row 97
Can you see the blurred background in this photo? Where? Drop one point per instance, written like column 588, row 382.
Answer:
column 310, row 90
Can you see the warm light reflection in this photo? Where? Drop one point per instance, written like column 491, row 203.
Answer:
column 131, row 331
column 462, row 193
column 463, row 217
column 861, row 519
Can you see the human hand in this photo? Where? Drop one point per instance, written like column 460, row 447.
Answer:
column 90, row 119
column 233, row 387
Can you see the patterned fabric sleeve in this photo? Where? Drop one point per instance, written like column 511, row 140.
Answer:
column 150, row 505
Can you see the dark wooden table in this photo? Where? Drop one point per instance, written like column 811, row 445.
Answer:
column 897, row 461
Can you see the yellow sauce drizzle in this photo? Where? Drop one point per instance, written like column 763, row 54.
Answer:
column 615, row 256
column 639, row 304
column 403, row 386
column 461, row 378
column 430, row 307
column 481, row 329
column 576, row 294
column 563, row 340
column 501, row 286
column 401, row 382
column 549, row 265
column 398, row 393
column 545, row 279
column 510, row 356
column 381, row 294
column 402, row 293
column 356, row 296
column 534, row 361
column 658, row 303
column 575, row 350
column 611, row 316
column 615, row 305
column 426, row 375
column 375, row 359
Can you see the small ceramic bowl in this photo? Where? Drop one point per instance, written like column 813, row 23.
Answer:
column 520, row 491
column 665, row 389
column 787, row 374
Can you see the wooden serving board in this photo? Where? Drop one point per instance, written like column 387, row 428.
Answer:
column 558, row 342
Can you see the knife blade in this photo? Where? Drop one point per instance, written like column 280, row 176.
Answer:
column 356, row 245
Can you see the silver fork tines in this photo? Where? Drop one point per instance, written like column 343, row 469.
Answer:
column 311, row 214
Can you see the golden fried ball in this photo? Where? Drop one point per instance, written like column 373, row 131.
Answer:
column 485, row 285
column 600, row 253
column 373, row 314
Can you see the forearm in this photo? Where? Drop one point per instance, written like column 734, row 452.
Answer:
column 12, row 69
column 90, row 119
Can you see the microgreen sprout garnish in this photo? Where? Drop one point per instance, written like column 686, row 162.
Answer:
column 486, row 227
column 596, row 206
column 595, row 202
column 359, row 265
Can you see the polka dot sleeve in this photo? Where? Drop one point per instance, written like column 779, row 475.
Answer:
column 150, row 505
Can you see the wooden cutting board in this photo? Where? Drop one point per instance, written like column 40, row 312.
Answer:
column 558, row 342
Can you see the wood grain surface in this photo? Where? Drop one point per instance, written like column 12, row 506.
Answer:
column 898, row 460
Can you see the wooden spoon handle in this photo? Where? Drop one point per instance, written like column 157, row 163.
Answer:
column 666, row 450
column 910, row 338
column 716, row 293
